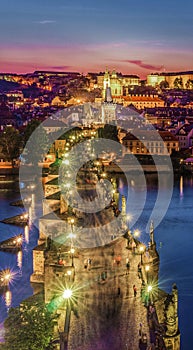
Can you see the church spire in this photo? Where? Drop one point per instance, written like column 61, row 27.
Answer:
column 108, row 96
column 151, row 233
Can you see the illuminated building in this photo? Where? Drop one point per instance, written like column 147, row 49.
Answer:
column 117, row 82
column 150, row 144
column 57, row 102
column 184, row 135
column 156, row 78
column 112, row 81
column 143, row 101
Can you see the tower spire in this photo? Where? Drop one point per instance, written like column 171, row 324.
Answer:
column 108, row 96
column 151, row 233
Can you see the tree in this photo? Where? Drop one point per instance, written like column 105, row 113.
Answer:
column 189, row 84
column 164, row 85
column 29, row 327
column 178, row 83
column 30, row 129
column 37, row 144
column 10, row 143
column 108, row 132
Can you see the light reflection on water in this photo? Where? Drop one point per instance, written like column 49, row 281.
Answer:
column 174, row 240
column 21, row 262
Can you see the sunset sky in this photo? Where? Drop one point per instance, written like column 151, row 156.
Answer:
column 80, row 35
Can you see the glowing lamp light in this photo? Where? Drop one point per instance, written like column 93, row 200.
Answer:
column 66, row 162
column 147, row 268
column 72, row 235
column 67, row 185
column 8, row 298
column 69, row 273
column 67, row 294
column 7, row 276
column 141, row 249
column 72, row 250
column 137, row 234
column 149, row 289
column 129, row 217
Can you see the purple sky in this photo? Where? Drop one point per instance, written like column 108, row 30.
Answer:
column 130, row 36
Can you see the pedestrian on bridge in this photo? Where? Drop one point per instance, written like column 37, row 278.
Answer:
column 134, row 290
column 127, row 267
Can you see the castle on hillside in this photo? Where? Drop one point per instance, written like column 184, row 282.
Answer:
column 118, row 82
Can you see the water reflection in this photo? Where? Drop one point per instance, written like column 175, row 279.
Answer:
column 19, row 259
column 8, row 299
column 32, row 200
column 26, row 233
column 181, row 186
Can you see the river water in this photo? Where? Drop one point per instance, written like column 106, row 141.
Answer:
column 174, row 238
column 20, row 263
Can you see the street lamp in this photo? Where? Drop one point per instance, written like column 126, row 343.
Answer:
column 6, row 277
column 149, row 290
column 141, row 249
column 136, row 233
column 66, row 162
column 147, row 267
column 103, row 174
column 72, row 250
column 72, row 223
column 67, row 294
column 69, row 272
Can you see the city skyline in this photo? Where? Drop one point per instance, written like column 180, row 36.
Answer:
column 131, row 37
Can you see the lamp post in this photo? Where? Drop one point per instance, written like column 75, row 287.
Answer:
column 69, row 273
column 141, row 249
column 147, row 272
column 72, row 224
column 72, row 250
column 149, row 290
column 67, row 294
